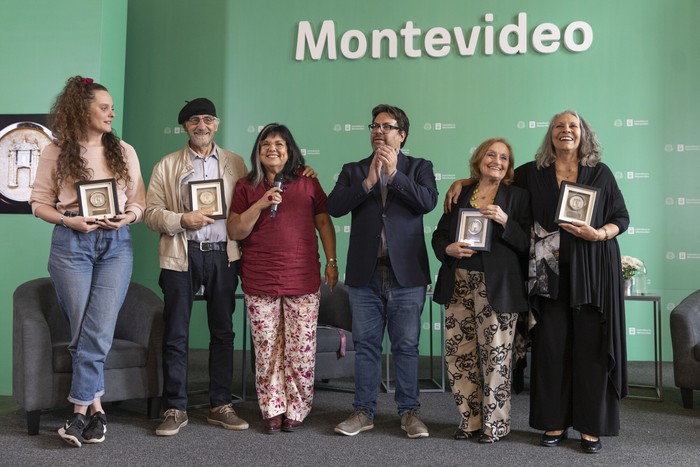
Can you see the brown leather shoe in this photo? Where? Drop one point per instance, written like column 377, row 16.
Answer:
column 290, row 425
column 273, row 425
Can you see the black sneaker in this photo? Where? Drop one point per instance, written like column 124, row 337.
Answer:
column 96, row 429
column 72, row 430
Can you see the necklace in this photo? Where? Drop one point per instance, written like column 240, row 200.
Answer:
column 475, row 196
column 566, row 173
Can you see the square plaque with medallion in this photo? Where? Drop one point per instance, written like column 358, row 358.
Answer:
column 208, row 196
column 576, row 203
column 98, row 198
column 474, row 228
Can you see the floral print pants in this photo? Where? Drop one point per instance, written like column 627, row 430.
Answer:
column 478, row 354
column 283, row 329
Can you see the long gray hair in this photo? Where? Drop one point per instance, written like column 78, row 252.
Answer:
column 589, row 153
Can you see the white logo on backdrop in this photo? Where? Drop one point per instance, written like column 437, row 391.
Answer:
column 337, row 127
column 619, row 175
column 687, row 147
column 668, row 148
column 636, row 175
column 532, row 124
column 439, row 126
column 167, row 130
column 442, row 176
column 638, row 230
column 428, row 127
column 631, row 122
column 251, row 129
column 669, row 201
column 520, row 124
column 687, row 201
column 670, row 255
column 352, row 127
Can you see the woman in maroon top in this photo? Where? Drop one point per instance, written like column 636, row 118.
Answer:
column 280, row 274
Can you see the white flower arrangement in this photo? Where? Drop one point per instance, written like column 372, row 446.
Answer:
column 630, row 266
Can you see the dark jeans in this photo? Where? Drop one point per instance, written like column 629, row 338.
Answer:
column 220, row 279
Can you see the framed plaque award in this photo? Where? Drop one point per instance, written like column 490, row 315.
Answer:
column 473, row 228
column 576, row 203
column 208, row 196
column 98, row 198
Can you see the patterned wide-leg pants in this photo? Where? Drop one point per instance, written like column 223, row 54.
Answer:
column 284, row 340
column 478, row 354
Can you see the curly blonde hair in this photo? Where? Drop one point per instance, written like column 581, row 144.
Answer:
column 70, row 119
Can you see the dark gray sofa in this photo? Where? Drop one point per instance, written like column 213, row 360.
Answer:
column 41, row 371
column 685, row 337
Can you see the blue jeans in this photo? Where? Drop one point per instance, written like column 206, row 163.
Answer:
column 385, row 303
column 91, row 274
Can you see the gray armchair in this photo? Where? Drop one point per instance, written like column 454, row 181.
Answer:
column 685, row 337
column 41, row 363
column 335, row 351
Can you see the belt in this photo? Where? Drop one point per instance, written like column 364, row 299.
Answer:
column 384, row 261
column 70, row 214
column 207, row 246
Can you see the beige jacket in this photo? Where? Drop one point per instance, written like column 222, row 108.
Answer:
column 164, row 204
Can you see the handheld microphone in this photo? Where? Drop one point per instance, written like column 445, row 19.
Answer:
column 278, row 184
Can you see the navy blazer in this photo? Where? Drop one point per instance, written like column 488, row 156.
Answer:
column 411, row 194
column 504, row 265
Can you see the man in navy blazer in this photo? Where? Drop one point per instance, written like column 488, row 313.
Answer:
column 387, row 272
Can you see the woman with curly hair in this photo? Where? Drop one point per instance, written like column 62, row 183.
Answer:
column 91, row 256
column 481, row 283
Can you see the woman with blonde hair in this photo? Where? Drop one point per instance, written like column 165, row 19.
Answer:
column 483, row 290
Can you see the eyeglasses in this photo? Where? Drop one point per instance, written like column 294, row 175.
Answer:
column 266, row 145
column 208, row 119
column 386, row 128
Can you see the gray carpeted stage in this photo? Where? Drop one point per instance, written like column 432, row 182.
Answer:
column 653, row 433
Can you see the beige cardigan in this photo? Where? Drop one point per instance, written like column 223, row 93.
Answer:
column 164, row 204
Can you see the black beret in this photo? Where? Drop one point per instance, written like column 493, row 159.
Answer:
column 198, row 106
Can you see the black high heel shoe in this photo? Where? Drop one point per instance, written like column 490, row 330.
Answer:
column 553, row 440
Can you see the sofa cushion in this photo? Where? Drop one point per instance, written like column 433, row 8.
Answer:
column 124, row 354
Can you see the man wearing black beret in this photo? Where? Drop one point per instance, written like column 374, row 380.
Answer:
column 186, row 204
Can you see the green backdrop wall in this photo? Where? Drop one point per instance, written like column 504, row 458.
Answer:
column 633, row 77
